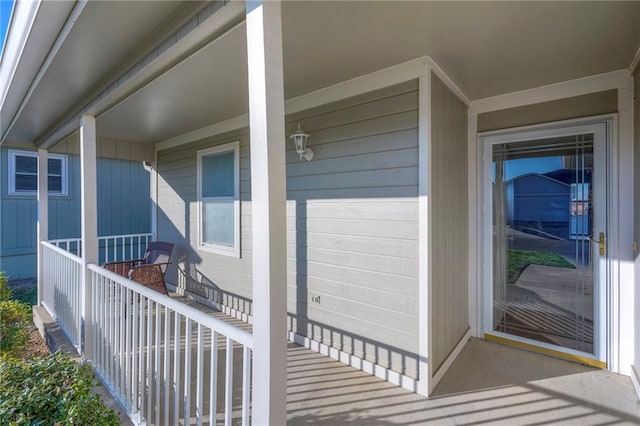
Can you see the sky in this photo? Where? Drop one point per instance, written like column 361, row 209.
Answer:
column 5, row 13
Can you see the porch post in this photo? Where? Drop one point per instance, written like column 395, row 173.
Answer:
column 43, row 215
column 89, row 221
column 268, row 198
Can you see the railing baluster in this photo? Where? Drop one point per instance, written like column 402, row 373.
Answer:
column 149, row 359
column 213, row 379
column 142, row 367
column 187, row 372
column 135, row 316
column 228, row 385
column 157, row 370
column 246, row 384
column 176, row 369
column 199, row 375
column 167, row 359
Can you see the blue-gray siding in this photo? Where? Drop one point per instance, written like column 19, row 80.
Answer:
column 352, row 227
column 124, row 207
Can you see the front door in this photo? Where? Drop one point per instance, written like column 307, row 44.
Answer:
column 545, row 240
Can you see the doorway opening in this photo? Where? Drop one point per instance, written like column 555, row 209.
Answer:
column 545, row 248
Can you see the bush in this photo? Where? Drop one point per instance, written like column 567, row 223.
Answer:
column 15, row 321
column 50, row 390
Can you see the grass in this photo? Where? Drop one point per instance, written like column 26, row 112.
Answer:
column 518, row 260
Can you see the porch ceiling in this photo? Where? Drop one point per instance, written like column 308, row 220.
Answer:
column 487, row 48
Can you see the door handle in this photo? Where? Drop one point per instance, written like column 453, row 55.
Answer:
column 601, row 243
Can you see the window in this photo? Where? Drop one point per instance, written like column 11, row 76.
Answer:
column 23, row 173
column 218, row 199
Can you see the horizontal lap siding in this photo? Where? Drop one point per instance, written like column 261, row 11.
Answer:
column 200, row 271
column 449, row 207
column 352, row 225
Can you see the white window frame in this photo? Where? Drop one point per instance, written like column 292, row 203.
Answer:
column 13, row 153
column 215, row 248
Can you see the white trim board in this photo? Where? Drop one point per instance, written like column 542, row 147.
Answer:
column 635, row 62
column 566, row 89
column 450, row 359
column 635, row 379
column 367, row 83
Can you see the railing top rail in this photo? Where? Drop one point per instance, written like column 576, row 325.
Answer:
column 62, row 252
column 64, row 240
column 237, row 334
column 142, row 234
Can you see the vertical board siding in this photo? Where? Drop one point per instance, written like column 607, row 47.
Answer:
column 449, row 224
column 352, row 227
column 124, row 207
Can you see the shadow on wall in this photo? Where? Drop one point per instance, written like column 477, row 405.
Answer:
column 387, row 356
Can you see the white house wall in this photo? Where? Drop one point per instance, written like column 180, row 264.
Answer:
column 352, row 221
column 449, row 216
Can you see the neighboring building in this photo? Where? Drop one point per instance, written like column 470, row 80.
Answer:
column 123, row 188
column 387, row 250
column 538, row 203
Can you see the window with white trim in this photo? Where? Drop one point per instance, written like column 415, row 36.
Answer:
column 219, row 199
column 23, row 173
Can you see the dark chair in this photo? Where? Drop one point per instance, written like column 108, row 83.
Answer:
column 148, row 271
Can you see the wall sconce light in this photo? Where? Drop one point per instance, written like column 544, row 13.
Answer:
column 299, row 138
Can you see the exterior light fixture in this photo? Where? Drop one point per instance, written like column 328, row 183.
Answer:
column 299, row 138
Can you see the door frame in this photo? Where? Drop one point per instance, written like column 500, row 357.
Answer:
column 608, row 299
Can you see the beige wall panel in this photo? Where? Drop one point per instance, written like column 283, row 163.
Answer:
column 449, row 234
column 563, row 109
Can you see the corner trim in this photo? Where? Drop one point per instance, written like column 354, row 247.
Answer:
column 441, row 371
column 635, row 379
column 635, row 62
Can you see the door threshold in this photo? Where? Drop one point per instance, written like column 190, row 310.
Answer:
column 546, row 351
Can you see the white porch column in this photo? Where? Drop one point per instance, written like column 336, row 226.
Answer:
column 268, row 198
column 43, row 215
column 89, row 219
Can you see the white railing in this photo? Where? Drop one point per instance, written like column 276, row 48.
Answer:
column 167, row 362
column 62, row 289
column 123, row 247
column 110, row 248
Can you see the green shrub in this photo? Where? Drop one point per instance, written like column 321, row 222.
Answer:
column 5, row 291
column 15, row 321
column 50, row 390
column 15, row 325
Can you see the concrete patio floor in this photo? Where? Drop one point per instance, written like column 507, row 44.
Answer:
column 488, row 384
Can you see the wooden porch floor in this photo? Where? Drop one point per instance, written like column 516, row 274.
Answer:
column 488, row 384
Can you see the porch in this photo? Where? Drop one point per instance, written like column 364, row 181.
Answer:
column 142, row 342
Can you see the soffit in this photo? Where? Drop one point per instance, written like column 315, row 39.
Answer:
column 487, row 48
column 100, row 39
